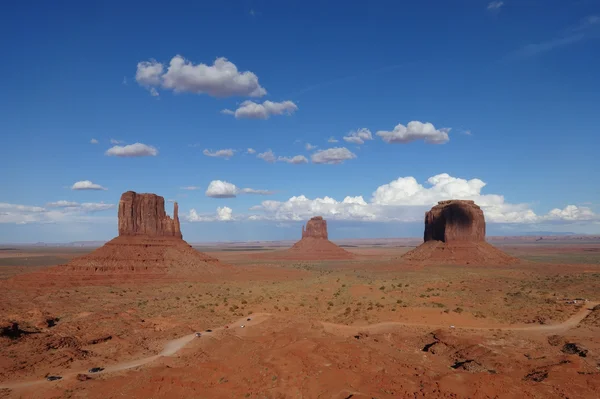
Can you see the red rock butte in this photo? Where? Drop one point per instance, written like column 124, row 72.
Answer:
column 149, row 247
column 315, row 243
column 144, row 214
column 455, row 234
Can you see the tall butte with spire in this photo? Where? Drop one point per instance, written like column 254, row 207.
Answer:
column 455, row 234
column 149, row 246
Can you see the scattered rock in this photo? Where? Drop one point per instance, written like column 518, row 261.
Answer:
column 13, row 331
column 572, row 348
column 99, row 340
column 555, row 340
column 537, row 376
column 83, row 377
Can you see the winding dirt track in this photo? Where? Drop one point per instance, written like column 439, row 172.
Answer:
column 388, row 326
column 172, row 347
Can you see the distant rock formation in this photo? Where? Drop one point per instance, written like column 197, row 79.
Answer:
column 455, row 235
column 144, row 214
column 314, row 245
column 316, row 228
column 455, row 220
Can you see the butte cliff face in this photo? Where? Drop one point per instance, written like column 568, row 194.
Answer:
column 455, row 220
column 315, row 228
column 144, row 214
column 455, row 234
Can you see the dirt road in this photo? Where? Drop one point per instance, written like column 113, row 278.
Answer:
column 342, row 329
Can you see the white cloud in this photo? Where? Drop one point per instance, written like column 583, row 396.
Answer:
column 310, row 147
column 190, row 188
column 54, row 212
column 267, row 156
column 359, row 136
column 222, row 79
column 221, row 189
column 61, row 204
column 250, row 151
column 415, row 130
column 132, row 150
column 225, row 153
column 334, row 155
column 113, row 141
column 223, row 214
column 332, row 140
column 94, row 141
column 296, row 160
column 154, row 92
column 406, row 200
column 251, row 110
column 224, row 189
column 149, row 73
column 495, row 5
column 571, row 213
column 86, row 185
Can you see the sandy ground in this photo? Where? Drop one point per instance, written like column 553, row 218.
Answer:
column 366, row 327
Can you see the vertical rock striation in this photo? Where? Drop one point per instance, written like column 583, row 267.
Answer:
column 455, row 220
column 316, row 227
column 144, row 214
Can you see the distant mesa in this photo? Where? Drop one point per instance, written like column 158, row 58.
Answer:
column 455, row 234
column 149, row 247
column 314, row 244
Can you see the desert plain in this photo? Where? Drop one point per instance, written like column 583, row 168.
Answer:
column 370, row 324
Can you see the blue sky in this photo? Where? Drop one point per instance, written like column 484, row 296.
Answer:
column 470, row 91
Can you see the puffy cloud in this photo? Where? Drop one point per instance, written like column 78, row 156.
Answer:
column 225, row 153
column 495, row 5
column 132, row 150
column 223, row 214
column 94, row 141
column 86, row 185
column 415, row 130
column 334, row 155
column 251, row 110
column 222, row 79
column 332, row 140
column 250, row 151
column 149, row 73
column 221, row 189
column 267, row 156
column 296, row 160
column 224, row 189
column 359, row 136
column 571, row 213
column 309, row 147
column 406, row 200
column 53, row 212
